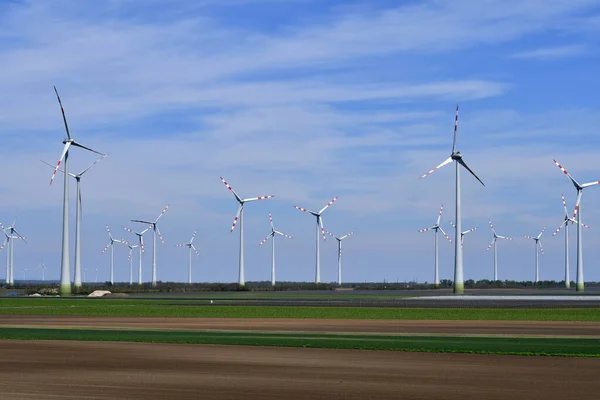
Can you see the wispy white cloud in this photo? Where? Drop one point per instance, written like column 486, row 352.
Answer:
column 549, row 53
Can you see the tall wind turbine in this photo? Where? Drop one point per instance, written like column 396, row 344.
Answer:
column 272, row 234
column 566, row 225
column 240, row 216
column 339, row 241
column 459, row 286
column 155, row 230
column 493, row 243
column 140, row 246
column 65, row 280
column 435, row 228
column 84, row 274
column 130, row 259
column 111, row 244
column 12, row 234
column 77, row 177
column 319, row 227
column 190, row 245
column 463, row 233
column 42, row 268
column 538, row 243
column 577, row 216
column 96, row 274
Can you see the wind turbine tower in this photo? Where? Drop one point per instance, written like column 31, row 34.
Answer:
column 140, row 247
column 435, row 228
column 566, row 225
column 155, row 230
column 240, row 216
column 455, row 156
column 322, row 229
column 493, row 243
column 339, row 241
column 190, row 246
column 538, row 243
column 65, row 280
column 577, row 216
column 272, row 234
column 11, row 234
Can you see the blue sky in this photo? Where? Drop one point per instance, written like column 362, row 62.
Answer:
column 305, row 100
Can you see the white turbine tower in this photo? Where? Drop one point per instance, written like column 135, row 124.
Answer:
column 78, row 214
column 339, row 241
column 459, row 286
column 272, row 234
column 65, row 280
column 240, row 216
column 130, row 259
column 566, row 225
column 577, row 216
column 11, row 234
column 322, row 229
column 96, row 274
column 493, row 243
column 24, row 274
column 140, row 246
column 111, row 244
column 155, row 229
column 42, row 268
column 538, row 243
column 463, row 233
column 85, row 274
column 190, row 246
column 435, row 228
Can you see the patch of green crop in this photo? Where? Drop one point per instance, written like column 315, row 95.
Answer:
column 443, row 344
column 195, row 309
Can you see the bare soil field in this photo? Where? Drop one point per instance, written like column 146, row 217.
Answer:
column 488, row 328
column 93, row 370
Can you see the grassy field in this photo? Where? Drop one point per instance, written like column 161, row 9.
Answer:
column 174, row 308
column 445, row 344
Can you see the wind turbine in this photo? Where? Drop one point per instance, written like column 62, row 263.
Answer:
column 459, row 287
column 577, row 216
column 538, row 243
column 566, row 225
column 272, row 234
column 190, row 246
column 111, row 244
column 140, row 245
column 463, row 233
column 319, row 227
column 42, row 268
column 11, row 234
column 339, row 240
column 493, row 243
column 155, row 229
column 435, row 228
column 130, row 259
column 65, row 280
column 96, row 274
column 77, row 177
column 84, row 274
column 24, row 274
column 240, row 216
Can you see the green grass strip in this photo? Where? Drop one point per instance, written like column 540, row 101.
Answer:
column 193, row 308
column 441, row 344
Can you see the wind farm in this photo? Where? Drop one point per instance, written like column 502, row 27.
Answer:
column 380, row 273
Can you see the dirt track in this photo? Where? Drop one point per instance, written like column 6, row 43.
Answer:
column 513, row 328
column 92, row 370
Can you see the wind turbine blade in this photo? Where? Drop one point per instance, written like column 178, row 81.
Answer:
column 328, row 204
column 424, row 230
column 447, row 161
column 540, row 244
column 566, row 173
column 258, row 198
column 86, row 148
column 455, row 130
column 560, row 227
column 271, row 221
column 564, row 205
column 196, row 251
column 283, row 234
column 62, row 110
column 52, row 166
column 143, row 222
column 305, row 210
column 160, row 235
column 462, row 162
column 440, row 215
column 19, row 235
column 108, row 230
column 590, row 184
column 91, row 165
column 470, row 230
column 106, row 248
column 237, row 216
column 346, row 235
column 181, row 244
column 452, row 223
column 128, row 229
column 265, row 240
column 322, row 229
column 62, row 156
column 542, row 232
column 445, row 234
column 579, row 193
column 491, row 244
column 162, row 213
column 528, row 237
column 193, row 236
column 238, row 198
column 492, row 226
